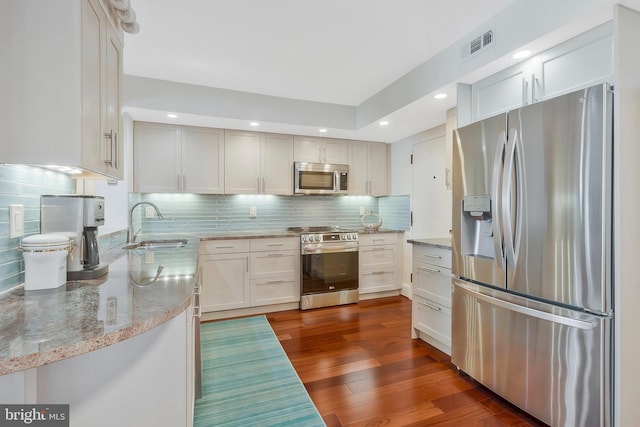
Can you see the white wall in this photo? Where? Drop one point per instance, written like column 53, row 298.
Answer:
column 626, row 224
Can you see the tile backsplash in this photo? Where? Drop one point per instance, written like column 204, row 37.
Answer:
column 185, row 213
column 23, row 185
column 188, row 213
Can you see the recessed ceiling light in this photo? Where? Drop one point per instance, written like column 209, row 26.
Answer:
column 521, row 54
column 322, row 130
column 172, row 116
column 383, row 123
column 254, row 124
column 440, row 96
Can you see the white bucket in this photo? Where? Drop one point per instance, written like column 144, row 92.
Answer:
column 45, row 261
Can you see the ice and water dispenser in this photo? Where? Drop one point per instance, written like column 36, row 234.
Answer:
column 476, row 233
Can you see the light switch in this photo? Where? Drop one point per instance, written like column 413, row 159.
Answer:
column 253, row 212
column 16, row 221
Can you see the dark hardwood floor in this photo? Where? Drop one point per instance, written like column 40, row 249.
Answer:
column 361, row 368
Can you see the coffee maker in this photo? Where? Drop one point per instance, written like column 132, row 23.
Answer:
column 78, row 218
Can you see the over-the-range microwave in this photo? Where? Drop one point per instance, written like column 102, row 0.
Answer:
column 320, row 178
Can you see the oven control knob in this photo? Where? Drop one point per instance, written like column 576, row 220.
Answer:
column 354, row 236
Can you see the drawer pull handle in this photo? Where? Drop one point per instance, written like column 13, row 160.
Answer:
column 433, row 270
column 432, row 256
column 275, row 281
column 274, row 255
column 434, row 307
column 224, row 247
column 378, row 272
column 378, row 249
column 275, row 244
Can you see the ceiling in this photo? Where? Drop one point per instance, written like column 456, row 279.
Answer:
column 330, row 51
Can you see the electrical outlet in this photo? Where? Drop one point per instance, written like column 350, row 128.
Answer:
column 16, row 221
column 253, row 212
column 361, row 210
column 149, row 212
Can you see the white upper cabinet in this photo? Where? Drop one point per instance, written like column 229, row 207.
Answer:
column 581, row 62
column 61, row 86
column 368, row 168
column 258, row 163
column 321, row 150
column 171, row 159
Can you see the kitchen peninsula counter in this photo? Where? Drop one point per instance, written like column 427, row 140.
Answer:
column 142, row 290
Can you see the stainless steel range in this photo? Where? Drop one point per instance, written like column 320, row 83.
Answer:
column 328, row 267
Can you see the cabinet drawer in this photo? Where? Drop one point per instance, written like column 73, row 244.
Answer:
column 377, row 256
column 431, row 255
column 378, row 239
column 275, row 291
column 210, row 247
column 432, row 282
column 275, row 244
column 378, row 280
column 274, row 264
column 433, row 319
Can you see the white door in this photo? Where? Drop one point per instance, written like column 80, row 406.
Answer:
column 431, row 201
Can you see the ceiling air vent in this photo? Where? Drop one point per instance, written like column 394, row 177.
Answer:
column 477, row 44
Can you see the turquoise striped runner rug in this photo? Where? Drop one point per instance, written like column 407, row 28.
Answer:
column 247, row 379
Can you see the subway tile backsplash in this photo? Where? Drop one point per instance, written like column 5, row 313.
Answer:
column 185, row 213
column 23, row 185
column 188, row 213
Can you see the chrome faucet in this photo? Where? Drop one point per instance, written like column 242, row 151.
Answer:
column 131, row 235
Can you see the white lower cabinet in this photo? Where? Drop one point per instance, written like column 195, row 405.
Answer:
column 379, row 255
column 431, row 296
column 224, row 268
column 275, row 271
column 247, row 273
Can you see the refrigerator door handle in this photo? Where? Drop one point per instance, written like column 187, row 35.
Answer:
column 498, row 176
column 507, row 199
column 562, row 320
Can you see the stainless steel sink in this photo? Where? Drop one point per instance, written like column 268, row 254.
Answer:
column 154, row 244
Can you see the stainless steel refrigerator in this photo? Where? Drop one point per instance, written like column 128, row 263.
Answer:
column 532, row 308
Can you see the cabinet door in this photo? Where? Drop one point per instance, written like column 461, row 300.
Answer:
column 432, row 282
column 156, row 158
column 242, row 162
column 275, row 291
column 503, row 91
column 202, row 160
column 277, row 164
column 377, row 256
column 378, row 169
column 581, row 62
column 93, row 84
column 358, row 172
column 113, row 114
column 225, row 281
column 307, row 149
column 335, row 151
column 378, row 280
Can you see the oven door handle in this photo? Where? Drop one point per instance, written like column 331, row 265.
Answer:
column 307, row 251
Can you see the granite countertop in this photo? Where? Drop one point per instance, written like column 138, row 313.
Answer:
column 443, row 243
column 143, row 289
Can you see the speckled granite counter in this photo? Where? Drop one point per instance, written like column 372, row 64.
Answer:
column 143, row 289
column 443, row 243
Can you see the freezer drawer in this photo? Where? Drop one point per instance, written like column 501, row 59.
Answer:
column 549, row 361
